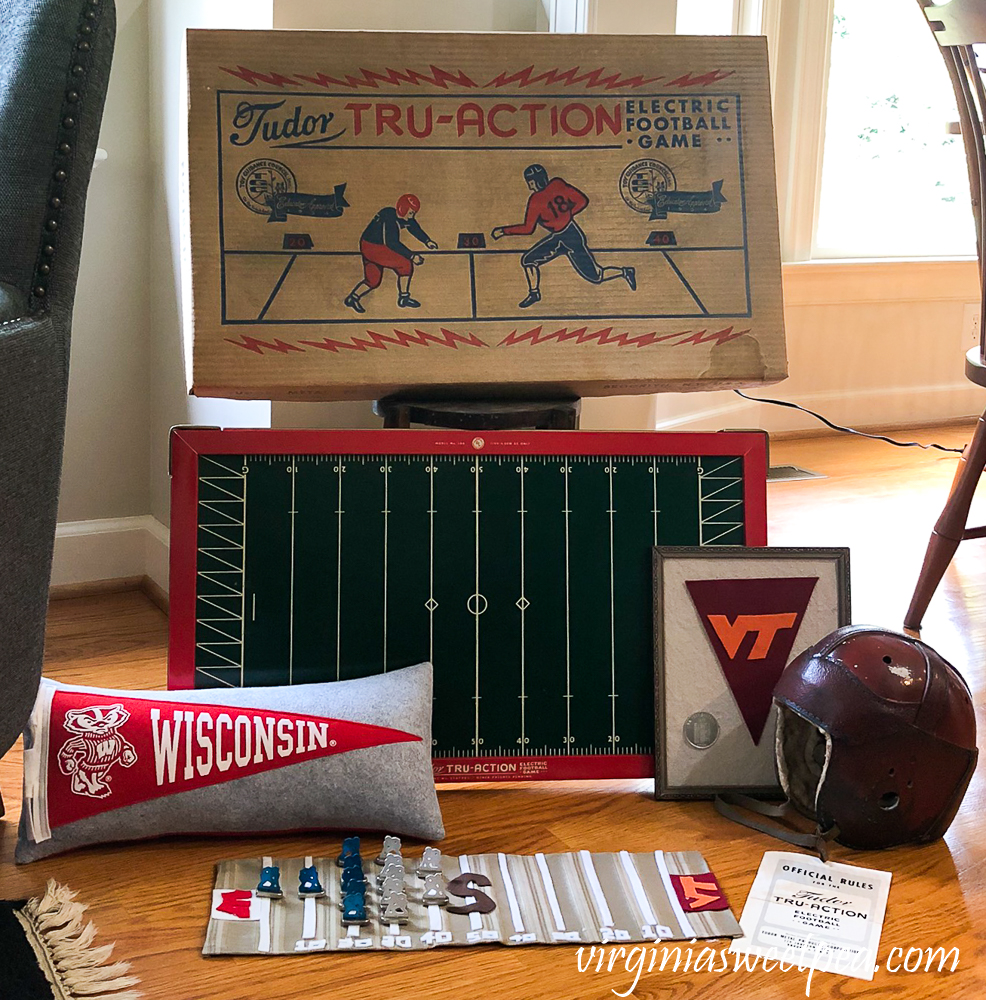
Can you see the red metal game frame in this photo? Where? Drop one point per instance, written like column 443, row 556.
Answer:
column 188, row 443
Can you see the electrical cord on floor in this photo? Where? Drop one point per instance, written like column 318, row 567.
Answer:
column 846, row 430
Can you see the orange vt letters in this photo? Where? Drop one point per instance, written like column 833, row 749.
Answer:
column 766, row 626
column 699, row 893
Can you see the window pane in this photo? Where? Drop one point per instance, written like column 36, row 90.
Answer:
column 894, row 183
column 704, row 17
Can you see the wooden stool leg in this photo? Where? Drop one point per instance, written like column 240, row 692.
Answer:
column 951, row 526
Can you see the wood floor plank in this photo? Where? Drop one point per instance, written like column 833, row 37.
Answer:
column 153, row 898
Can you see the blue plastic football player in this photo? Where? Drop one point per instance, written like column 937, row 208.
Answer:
column 350, row 850
column 354, row 909
column 308, row 883
column 353, row 880
column 270, row 882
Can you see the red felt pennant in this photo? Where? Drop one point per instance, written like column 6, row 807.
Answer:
column 106, row 752
column 752, row 625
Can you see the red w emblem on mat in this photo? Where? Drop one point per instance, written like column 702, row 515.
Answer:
column 752, row 625
column 236, row 903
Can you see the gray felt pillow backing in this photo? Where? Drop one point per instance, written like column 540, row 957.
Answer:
column 102, row 765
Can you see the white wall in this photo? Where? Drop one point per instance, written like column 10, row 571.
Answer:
column 168, row 399
column 409, row 15
column 104, row 474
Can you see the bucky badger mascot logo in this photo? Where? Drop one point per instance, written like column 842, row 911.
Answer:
column 89, row 756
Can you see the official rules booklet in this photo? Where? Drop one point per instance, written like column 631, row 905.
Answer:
column 814, row 914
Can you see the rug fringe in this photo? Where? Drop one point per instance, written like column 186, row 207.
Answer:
column 64, row 945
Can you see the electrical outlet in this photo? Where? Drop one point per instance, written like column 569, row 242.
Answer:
column 970, row 325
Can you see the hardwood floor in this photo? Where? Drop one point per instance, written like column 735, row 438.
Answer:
column 153, row 898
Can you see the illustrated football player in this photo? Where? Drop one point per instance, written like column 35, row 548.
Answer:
column 553, row 205
column 383, row 250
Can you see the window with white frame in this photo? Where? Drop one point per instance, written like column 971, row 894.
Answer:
column 862, row 103
column 894, row 181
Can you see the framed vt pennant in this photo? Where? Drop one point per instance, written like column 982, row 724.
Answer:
column 726, row 624
column 372, row 211
column 518, row 564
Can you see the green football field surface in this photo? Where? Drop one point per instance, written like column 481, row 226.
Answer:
column 526, row 581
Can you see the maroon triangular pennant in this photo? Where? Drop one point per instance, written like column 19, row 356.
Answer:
column 752, row 625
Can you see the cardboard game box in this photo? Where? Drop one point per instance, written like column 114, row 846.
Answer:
column 373, row 211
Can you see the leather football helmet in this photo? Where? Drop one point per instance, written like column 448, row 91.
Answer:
column 876, row 739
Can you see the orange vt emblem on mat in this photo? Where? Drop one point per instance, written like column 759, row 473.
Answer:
column 698, row 892
column 732, row 633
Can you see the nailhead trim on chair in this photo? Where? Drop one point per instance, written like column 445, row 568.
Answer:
column 65, row 148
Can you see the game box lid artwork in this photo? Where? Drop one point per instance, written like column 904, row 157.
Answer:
column 373, row 211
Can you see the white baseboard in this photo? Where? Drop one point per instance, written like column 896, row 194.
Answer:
column 110, row 549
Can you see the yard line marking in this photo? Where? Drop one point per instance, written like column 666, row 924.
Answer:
column 205, row 646
column 612, row 615
column 340, row 468
column 729, row 482
column 294, row 475
column 522, row 604
column 431, row 562
column 476, row 609
column 226, row 635
column 386, row 528
column 223, row 538
column 222, row 524
column 202, row 670
column 729, row 530
column 242, row 549
column 225, row 468
column 233, row 592
column 204, row 598
column 211, row 482
column 653, row 470
column 566, row 469
column 225, row 562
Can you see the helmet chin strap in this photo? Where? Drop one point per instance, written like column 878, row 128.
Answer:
column 737, row 807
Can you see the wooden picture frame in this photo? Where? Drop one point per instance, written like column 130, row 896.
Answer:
column 726, row 623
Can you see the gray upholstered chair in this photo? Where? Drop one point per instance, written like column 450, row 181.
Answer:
column 54, row 66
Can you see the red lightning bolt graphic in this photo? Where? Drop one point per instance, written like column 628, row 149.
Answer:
column 257, row 346
column 706, row 78
column 381, row 341
column 253, row 77
column 436, row 77
column 570, row 77
column 606, row 336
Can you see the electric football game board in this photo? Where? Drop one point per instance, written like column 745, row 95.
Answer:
column 282, row 906
column 517, row 563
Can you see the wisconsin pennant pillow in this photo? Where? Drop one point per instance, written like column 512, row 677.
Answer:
column 104, row 765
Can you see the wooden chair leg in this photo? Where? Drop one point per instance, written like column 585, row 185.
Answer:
column 951, row 526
